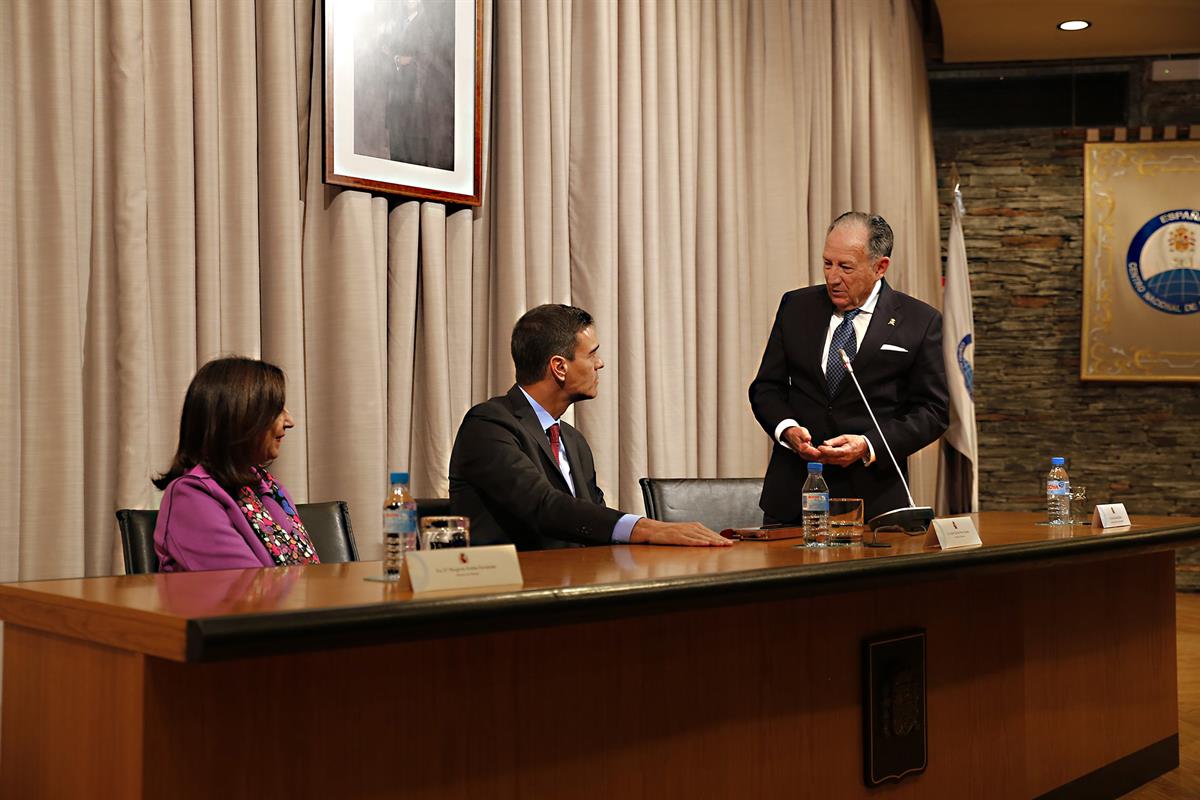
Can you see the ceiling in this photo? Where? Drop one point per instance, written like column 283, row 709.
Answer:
column 1025, row 30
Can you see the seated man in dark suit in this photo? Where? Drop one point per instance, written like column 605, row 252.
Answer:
column 524, row 477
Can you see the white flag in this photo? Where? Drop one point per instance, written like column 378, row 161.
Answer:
column 958, row 348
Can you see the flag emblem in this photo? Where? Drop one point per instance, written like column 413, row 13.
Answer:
column 964, row 366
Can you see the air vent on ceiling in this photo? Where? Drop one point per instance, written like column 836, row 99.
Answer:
column 1183, row 69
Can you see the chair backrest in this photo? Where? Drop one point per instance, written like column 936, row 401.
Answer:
column 719, row 503
column 433, row 507
column 137, row 540
column 328, row 525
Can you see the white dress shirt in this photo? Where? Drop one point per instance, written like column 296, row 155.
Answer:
column 623, row 530
column 860, row 324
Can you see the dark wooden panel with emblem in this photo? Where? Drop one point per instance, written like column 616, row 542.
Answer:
column 895, row 725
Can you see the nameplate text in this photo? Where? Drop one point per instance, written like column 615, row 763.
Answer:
column 953, row 532
column 1110, row 515
column 454, row 568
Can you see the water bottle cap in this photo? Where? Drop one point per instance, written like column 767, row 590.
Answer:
column 815, row 466
column 399, row 477
column 1057, row 461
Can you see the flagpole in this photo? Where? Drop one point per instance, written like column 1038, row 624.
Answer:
column 958, row 350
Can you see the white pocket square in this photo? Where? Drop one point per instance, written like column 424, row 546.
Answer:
column 892, row 347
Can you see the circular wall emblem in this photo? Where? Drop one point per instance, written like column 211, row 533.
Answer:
column 1163, row 264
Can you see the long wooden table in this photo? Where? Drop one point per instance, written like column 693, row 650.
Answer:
column 632, row 672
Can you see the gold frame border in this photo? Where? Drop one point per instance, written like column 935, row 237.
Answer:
column 1096, row 222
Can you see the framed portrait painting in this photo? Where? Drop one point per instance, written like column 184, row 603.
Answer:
column 404, row 97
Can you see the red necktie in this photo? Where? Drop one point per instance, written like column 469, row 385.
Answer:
column 554, row 439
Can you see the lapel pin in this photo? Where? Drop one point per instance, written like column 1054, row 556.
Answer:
column 892, row 322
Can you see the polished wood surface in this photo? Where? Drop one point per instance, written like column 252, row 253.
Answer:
column 1185, row 780
column 149, row 613
column 757, row 700
column 72, row 717
column 1099, row 634
column 1031, row 649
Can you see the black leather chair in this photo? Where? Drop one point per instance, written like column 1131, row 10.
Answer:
column 137, row 540
column 719, row 503
column 328, row 525
column 432, row 506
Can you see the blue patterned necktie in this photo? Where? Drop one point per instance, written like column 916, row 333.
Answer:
column 843, row 339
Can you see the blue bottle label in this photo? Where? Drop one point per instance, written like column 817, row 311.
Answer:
column 1056, row 487
column 816, row 501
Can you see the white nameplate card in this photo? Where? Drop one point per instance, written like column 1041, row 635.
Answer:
column 453, row 568
column 1112, row 515
column 953, row 532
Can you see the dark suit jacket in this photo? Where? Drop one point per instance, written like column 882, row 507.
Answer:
column 907, row 390
column 503, row 476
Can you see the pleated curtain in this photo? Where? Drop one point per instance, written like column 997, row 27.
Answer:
column 670, row 166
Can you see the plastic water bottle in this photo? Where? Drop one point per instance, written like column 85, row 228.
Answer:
column 815, row 505
column 399, row 526
column 1058, row 493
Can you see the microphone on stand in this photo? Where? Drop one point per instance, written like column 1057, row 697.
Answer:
column 912, row 517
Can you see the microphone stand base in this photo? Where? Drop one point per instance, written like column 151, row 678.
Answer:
column 914, row 518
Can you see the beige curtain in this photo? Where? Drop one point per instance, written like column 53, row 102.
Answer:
column 711, row 145
column 671, row 166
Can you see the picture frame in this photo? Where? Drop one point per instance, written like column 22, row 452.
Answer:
column 1141, row 262
column 404, row 97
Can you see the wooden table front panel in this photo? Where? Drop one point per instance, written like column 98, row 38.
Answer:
column 72, row 718
column 1028, row 679
column 1100, row 675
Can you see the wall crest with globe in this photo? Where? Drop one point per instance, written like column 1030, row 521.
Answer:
column 1163, row 262
column 1141, row 261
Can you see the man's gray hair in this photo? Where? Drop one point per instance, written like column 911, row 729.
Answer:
column 879, row 233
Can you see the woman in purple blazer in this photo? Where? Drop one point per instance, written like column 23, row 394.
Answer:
column 221, row 509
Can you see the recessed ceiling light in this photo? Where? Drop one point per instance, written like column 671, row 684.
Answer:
column 1074, row 25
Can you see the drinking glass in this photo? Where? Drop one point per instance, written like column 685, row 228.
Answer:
column 440, row 532
column 1078, row 513
column 845, row 520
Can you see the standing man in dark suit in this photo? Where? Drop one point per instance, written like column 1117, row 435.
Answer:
column 522, row 475
column 805, row 400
